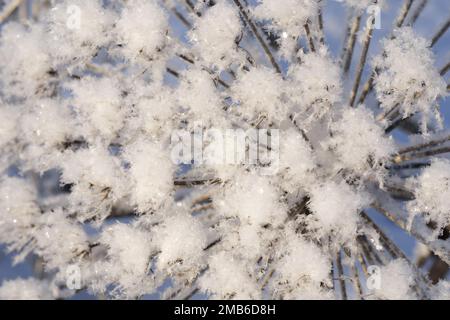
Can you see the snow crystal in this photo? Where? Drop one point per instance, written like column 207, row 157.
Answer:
column 23, row 71
column 59, row 239
column 290, row 17
column 98, row 101
column 152, row 172
column 48, row 122
column 97, row 181
column 396, row 281
column 296, row 160
column 252, row 199
column 182, row 239
column 76, row 29
column 303, row 262
column 336, row 207
column 8, row 129
column 25, row 289
column 362, row 5
column 370, row 149
column 259, row 93
column 198, row 93
column 315, row 88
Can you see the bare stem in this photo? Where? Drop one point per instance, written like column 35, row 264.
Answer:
column 257, row 35
column 440, row 33
column 8, row 9
column 417, row 12
column 422, row 146
column 341, row 276
column 445, row 69
column 312, row 47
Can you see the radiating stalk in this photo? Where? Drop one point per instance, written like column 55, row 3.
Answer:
column 422, row 146
column 257, row 35
column 368, row 86
column 362, row 62
column 341, row 276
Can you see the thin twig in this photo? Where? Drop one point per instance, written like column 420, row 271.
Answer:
column 422, row 146
column 9, row 8
column 257, row 35
column 349, row 48
column 311, row 45
column 417, row 12
column 362, row 61
column 440, row 33
column 403, row 13
column 341, row 276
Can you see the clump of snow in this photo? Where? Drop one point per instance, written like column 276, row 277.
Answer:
column 9, row 127
column 182, row 239
column 23, row 71
column 296, row 161
column 362, row 5
column 155, row 111
column 48, row 122
column 227, row 278
column 141, row 28
column 151, row 171
column 97, row 182
column 303, row 270
column 128, row 260
column 290, row 17
column 19, row 209
column 370, row 149
column 315, row 87
column 336, row 207
column 406, row 76
column 432, row 194
column 303, row 262
column 259, row 92
column 76, row 29
column 396, row 281
column 198, row 93
column 59, row 239
column 98, row 103
column 26, row 289
column 253, row 199
column 214, row 34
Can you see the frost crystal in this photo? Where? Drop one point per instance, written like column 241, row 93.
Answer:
column 432, row 194
column 215, row 33
column 407, row 78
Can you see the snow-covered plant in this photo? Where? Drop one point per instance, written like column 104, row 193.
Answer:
column 95, row 97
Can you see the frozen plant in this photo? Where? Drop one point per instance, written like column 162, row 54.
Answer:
column 92, row 92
